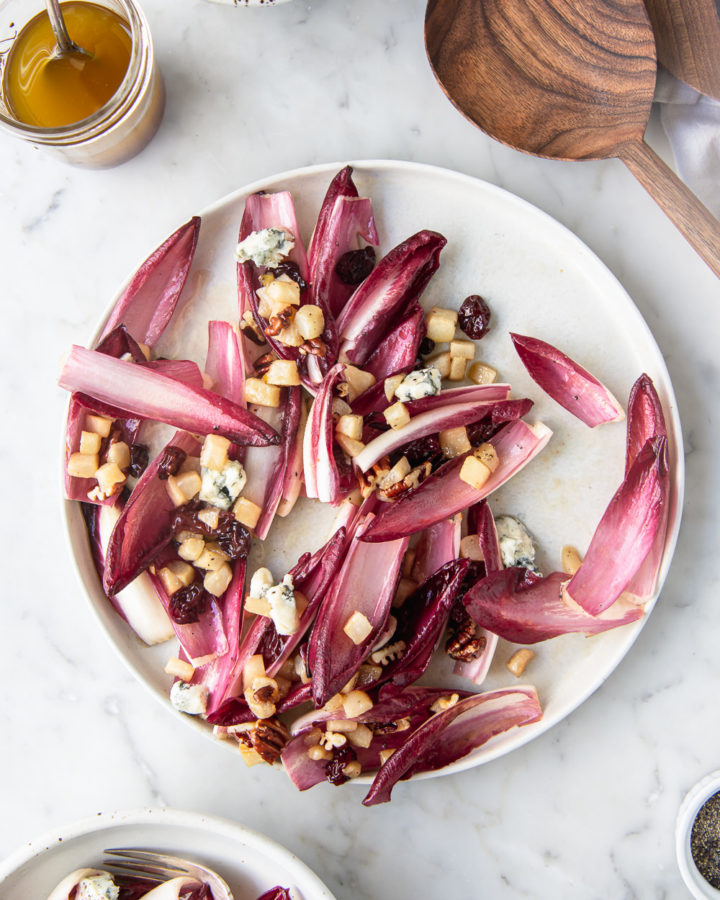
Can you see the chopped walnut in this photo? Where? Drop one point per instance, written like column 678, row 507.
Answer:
column 332, row 739
column 388, row 653
column 464, row 643
column 267, row 737
column 443, row 703
column 278, row 322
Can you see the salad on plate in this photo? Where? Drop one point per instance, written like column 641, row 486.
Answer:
column 333, row 384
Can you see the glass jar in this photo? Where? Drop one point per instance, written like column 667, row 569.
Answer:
column 120, row 128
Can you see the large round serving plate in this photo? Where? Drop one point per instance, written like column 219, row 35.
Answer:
column 248, row 861
column 539, row 279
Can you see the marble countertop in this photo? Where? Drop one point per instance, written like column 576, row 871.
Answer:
column 585, row 811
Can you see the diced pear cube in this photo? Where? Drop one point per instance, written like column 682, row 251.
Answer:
column 119, row 453
column 179, row 668
column 441, row 324
column 254, row 668
column 108, row 477
column 290, row 335
column 182, row 570
column 392, row 382
column 247, row 512
column 442, row 362
column 358, row 627
column 183, row 487
column 282, row 372
column 351, row 426
column 214, row 454
column 216, row 582
column 169, row 580
column 397, row 415
column 212, row 558
column 356, row 703
column 98, row 424
column 462, row 349
column 310, row 321
column 482, row 373
column 358, row 381
column 191, row 548
column 90, row 442
column 458, row 365
column 258, row 606
column 474, row 472
column 82, row 465
column 454, row 441
column 350, row 446
column 256, row 391
column 284, row 290
column 570, row 559
column 487, row 454
column 470, row 548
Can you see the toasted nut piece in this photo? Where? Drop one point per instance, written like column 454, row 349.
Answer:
column 442, row 362
column 191, row 549
column 356, row 703
column 262, row 709
column 350, row 425
column 358, row 627
column 392, row 382
column 247, row 512
column 441, row 324
column 249, row 754
column 405, row 587
column 169, row 580
column 481, row 373
column 82, row 465
column 310, row 321
column 265, row 688
column 454, row 441
column 470, row 548
column 396, row 474
column 182, row 570
column 462, row 349
column 90, row 442
column 361, row 737
column 385, row 755
column 353, row 769
column 98, row 424
column 212, row 557
column 282, row 372
column 179, row 668
column 488, row 454
column 119, row 453
column 216, row 582
column 519, row 660
column 254, row 668
column 256, row 391
column 474, row 472
column 397, row 415
column 214, row 453
column 388, row 653
column 316, row 752
column 458, row 364
column 332, row 739
column 109, row 477
column 357, row 381
column 348, row 445
column 570, row 559
column 443, row 703
column 183, row 487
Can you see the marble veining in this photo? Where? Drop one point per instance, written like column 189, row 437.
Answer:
column 585, row 811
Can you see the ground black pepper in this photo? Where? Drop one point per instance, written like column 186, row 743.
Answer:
column 705, row 840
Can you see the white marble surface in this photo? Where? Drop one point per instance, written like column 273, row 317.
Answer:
column 585, row 811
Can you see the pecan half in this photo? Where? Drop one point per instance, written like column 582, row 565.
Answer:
column 281, row 320
column 465, row 644
column 262, row 364
column 269, row 737
column 314, row 346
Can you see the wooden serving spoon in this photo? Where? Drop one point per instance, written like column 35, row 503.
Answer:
column 563, row 79
column 687, row 34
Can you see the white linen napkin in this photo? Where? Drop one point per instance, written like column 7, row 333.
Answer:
column 692, row 124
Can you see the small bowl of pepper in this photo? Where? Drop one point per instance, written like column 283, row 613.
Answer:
column 697, row 838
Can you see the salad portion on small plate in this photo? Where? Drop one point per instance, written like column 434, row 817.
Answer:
column 357, row 438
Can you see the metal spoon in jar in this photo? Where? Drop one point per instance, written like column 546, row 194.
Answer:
column 65, row 44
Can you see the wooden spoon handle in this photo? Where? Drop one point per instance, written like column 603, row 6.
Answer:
column 700, row 228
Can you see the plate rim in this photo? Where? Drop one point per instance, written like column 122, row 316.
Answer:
column 521, row 736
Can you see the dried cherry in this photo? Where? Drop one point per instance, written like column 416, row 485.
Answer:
column 139, row 459
column 233, row 538
column 291, row 269
column 187, row 604
column 170, row 462
column 334, row 767
column 474, row 317
column 427, row 345
column 355, row 265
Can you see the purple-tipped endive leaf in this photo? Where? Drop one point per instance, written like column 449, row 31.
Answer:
column 138, row 603
column 481, row 522
column 431, row 422
column 145, row 524
column 293, row 478
column 225, row 362
column 276, row 893
column 374, row 399
column 453, row 733
column 443, row 493
column 626, row 532
column 573, row 387
column 180, row 888
column 525, row 613
column 399, row 349
column 366, row 585
column 68, row 887
column 149, row 300
column 322, row 479
column 387, row 293
column 437, row 545
column 144, row 392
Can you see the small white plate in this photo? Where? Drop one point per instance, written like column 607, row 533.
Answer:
column 250, row 862
column 539, row 279
column 689, row 808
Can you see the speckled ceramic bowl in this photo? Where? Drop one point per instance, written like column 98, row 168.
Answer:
column 691, row 805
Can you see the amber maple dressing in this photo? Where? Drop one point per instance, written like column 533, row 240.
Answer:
column 53, row 93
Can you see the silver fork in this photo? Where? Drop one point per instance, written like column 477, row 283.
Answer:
column 152, row 866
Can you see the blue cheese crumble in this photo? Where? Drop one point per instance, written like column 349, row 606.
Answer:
column 189, row 698
column 268, row 247
column 280, row 598
column 418, row 384
column 98, row 887
column 516, row 545
column 222, row 488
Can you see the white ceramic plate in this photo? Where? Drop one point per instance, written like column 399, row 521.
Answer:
column 250, row 862
column 539, row 279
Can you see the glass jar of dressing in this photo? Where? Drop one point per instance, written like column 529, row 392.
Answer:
column 97, row 110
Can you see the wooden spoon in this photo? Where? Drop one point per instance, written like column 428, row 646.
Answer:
column 563, row 79
column 687, row 34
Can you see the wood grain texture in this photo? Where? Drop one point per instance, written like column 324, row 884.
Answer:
column 563, row 80
column 687, row 34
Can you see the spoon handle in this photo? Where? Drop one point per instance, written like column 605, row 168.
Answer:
column 57, row 23
column 696, row 223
